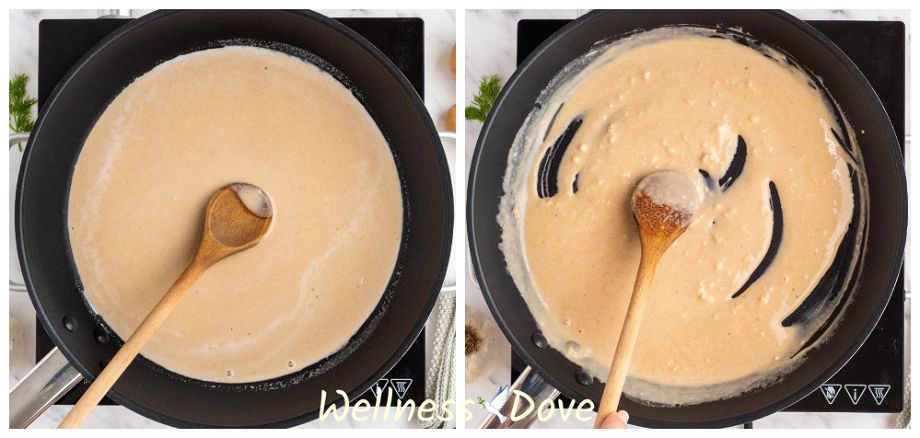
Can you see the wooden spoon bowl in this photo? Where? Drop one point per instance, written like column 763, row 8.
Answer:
column 238, row 216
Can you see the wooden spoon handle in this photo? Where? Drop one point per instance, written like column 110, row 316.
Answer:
column 132, row 347
column 619, row 367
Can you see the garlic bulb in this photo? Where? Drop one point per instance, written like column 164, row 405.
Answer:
column 480, row 334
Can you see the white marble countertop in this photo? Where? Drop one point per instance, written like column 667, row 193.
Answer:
column 439, row 96
column 491, row 49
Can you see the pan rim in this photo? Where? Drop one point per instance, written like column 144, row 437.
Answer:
column 446, row 193
column 896, row 260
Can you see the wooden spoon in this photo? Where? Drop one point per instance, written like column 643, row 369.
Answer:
column 237, row 218
column 663, row 204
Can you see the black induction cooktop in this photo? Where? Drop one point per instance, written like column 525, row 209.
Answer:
column 62, row 42
column 873, row 380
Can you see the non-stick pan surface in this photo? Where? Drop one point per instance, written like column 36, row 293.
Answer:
column 887, row 205
column 46, row 172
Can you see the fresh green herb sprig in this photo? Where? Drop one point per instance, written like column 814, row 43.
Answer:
column 21, row 106
column 489, row 87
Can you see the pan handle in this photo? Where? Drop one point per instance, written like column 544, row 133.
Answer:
column 18, row 137
column 45, row 384
column 531, row 383
column 49, row 379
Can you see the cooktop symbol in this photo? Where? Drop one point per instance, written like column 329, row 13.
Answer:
column 830, row 391
column 855, row 392
column 401, row 386
column 377, row 389
column 879, row 392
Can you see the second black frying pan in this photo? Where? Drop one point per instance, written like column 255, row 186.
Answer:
column 887, row 206
column 48, row 164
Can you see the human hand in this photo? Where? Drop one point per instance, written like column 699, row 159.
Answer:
column 616, row 420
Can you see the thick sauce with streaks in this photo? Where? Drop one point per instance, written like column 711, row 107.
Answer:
column 776, row 187
column 207, row 119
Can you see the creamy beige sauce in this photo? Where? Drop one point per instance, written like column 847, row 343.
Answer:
column 207, row 119
column 678, row 100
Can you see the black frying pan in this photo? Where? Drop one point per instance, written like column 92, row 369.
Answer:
column 54, row 284
column 887, row 211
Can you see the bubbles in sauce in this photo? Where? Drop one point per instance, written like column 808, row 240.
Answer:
column 725, row 313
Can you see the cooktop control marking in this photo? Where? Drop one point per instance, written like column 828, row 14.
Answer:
column 830, row 391
column 377, row 389
column 855, row 392
column 401, row 386
column 879, row 392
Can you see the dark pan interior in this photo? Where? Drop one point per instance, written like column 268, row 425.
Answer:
column 69, row 115
column 887, row 210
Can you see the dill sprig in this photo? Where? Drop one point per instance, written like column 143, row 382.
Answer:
column 21, row 106
column 489, row 87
